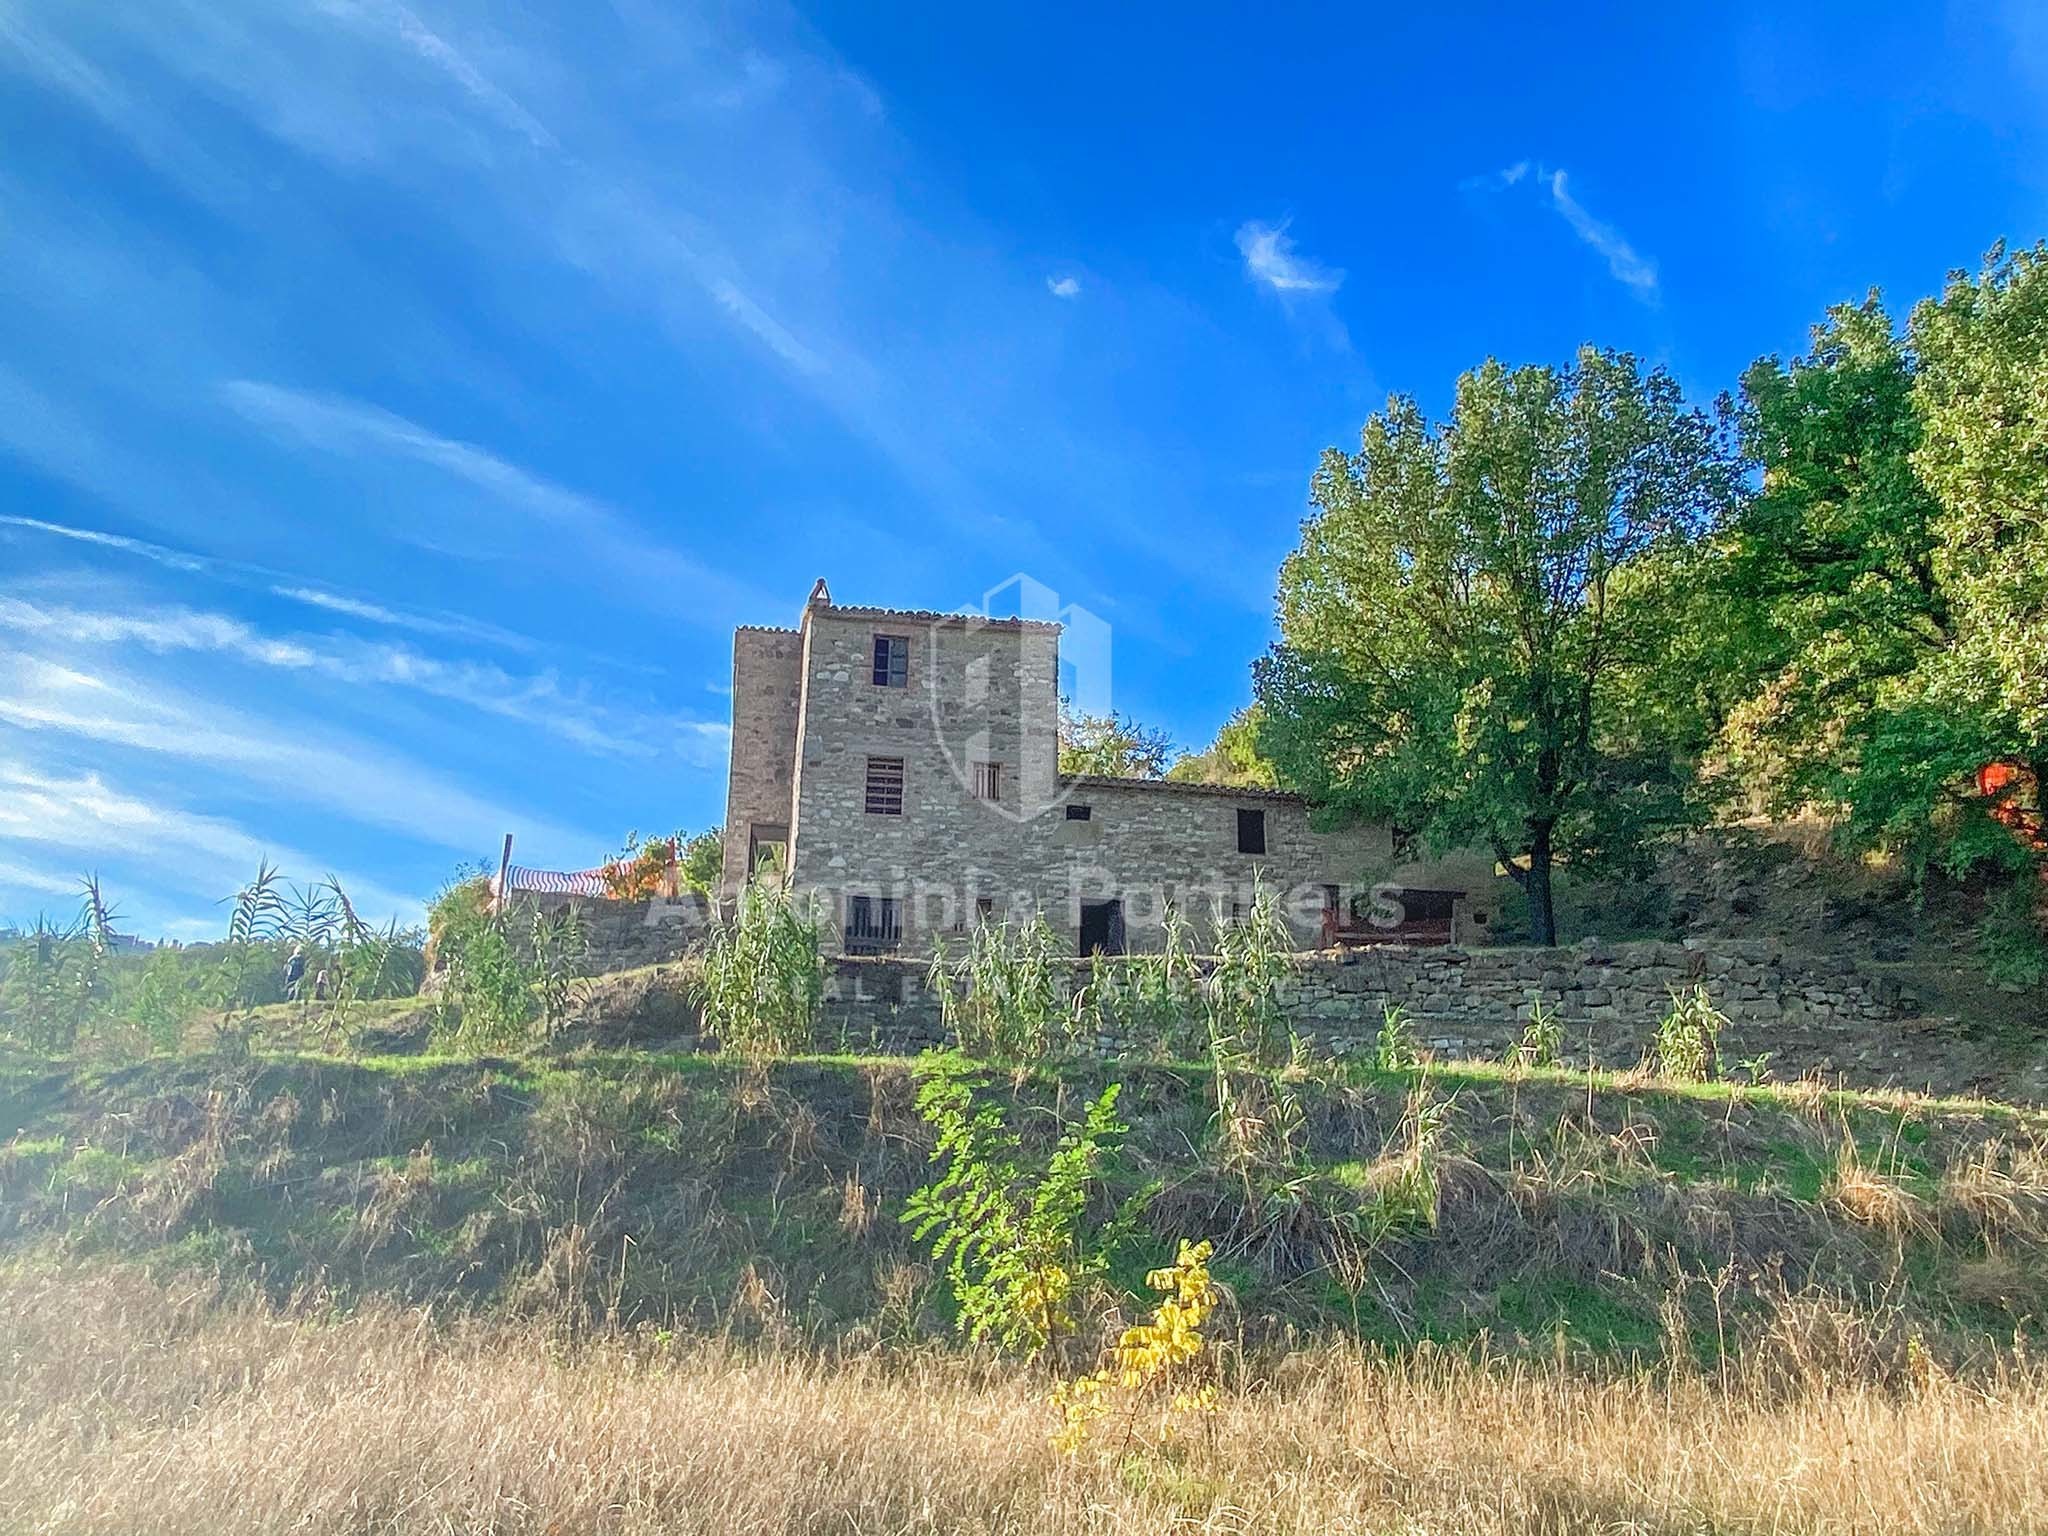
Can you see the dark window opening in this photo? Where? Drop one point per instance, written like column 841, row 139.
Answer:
column 892, row 661
column 984, row 908
column 885, row 786
column 988, row 781
column 1102, row 928
column 767, row 844
column 1251, row 831
column 1077, row 813
column 1425, row 906
column 874, row 924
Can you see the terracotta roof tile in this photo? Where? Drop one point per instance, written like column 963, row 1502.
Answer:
column 929, row 616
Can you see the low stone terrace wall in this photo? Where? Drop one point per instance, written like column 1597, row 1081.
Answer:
column 626, row 934
column 1810, row 1011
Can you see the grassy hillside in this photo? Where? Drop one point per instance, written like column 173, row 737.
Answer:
column 698, row 1190
column 129, row 1406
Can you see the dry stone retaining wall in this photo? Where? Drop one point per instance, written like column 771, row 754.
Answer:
column 626, row 934
column 1809, row 1010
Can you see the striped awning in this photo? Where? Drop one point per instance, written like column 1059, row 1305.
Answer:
column 554, row 882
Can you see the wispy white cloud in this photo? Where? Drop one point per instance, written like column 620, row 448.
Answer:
column 1496, row 181
column 406, row 27
column 1305, row 288
column 1063, row 287
column 279, row 584
column 538, row 700
column 1270, row 259
column 47, row 59
column 46, row 882
column 779, row 338
column 1624, row 262
column 601, row 536
column 289, row 761
column 156, row 554
column 54, row 822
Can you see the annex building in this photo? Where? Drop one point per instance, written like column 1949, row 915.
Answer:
column 902, row 769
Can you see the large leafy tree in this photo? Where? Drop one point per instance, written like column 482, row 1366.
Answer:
column 1827, row 590
column 1983, row 390
column 1888, row 587
column 1477, row 627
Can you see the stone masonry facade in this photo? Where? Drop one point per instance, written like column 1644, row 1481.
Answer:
column 901, row 769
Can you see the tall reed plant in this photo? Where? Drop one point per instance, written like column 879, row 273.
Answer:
column 763, row 976
column 1001, row 994
column 1152, row 1001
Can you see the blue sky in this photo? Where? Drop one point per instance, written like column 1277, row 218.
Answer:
column 400, row 402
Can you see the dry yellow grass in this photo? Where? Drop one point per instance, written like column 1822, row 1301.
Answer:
column 126, row 1409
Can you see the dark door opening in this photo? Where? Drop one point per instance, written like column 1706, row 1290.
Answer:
column 1102, row 928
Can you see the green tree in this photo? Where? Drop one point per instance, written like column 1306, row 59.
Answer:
column 1112, row 746
column 1827, row 590
column 1233, row 759
column 1475, row 624
column 703, row 860
column 1983, row 391
column 1886, row 591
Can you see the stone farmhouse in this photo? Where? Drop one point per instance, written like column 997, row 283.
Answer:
column 902, row 768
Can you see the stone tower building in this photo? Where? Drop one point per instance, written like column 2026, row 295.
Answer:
column 902, row 767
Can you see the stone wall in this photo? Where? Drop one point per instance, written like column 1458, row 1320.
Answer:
column 767, row 679
column 1811, row 1011
column 626, row 934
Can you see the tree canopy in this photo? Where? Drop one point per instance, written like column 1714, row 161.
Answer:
column 1112, row 746
column 1233, row 759
column 1474, row 624
column 1885, row 590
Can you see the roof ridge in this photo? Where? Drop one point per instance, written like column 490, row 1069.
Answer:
column 1187, row 786
column 934, row 616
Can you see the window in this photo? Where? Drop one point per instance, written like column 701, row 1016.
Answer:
column 984, row 908
column 767, row 844
column 874, row 924
column 1251, row 831
column 1077, row 813
column 885, row 786
column 988, row 781
column 892, row 661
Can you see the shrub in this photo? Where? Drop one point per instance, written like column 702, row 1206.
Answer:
column 507, row 972
column 164, row 1001
column 56, row 978
column 2012, row 943
column 763, row 976
column 1148, row 1356
column 1009, row 1231
column 1542, row 1041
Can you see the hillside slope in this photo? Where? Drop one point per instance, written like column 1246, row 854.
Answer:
column 702, row 1191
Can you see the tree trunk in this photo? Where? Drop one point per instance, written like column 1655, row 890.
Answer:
column 1542, row 916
